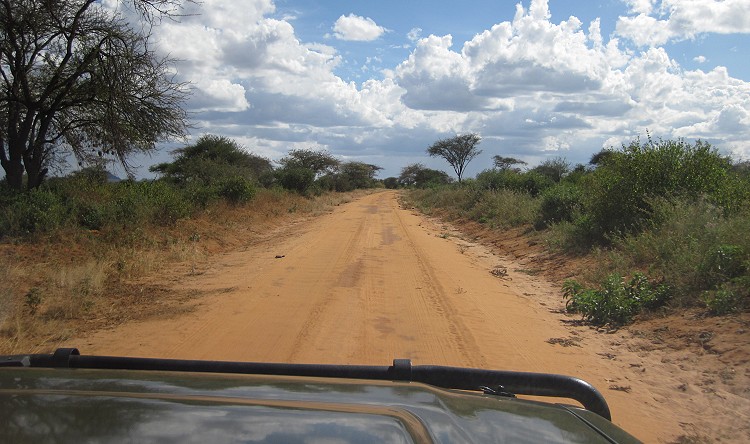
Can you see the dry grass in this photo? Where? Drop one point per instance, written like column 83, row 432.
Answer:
column 56, row 286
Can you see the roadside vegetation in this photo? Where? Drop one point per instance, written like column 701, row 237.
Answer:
column 665, row 222
column 90, row 88
column 71, row 247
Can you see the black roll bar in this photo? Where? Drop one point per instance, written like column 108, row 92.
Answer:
column 520, row 383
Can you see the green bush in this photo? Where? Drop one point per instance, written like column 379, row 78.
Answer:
column 692, row 245
column 722, row 263
column 38, row 210
column 90, row 215
column 155, row 202
column 616, row 301
column 211, row 159
column 167, row 204
column 200, row 195
column 559, row 203
column 236, row 189
column 725, row 300
column 295, row 178
column 494, row 180
column 504, row 208
column 530, row 182
column 618, row 193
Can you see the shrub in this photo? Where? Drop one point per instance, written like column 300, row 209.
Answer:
column 618, row 192
column 533, row 183
column 724, row 300
column 156, row 202
column 211, row 159
column 494, row 179
column 722, row 263
column 295, row 178
column 692, row 245
column 236, row 189
column 90, row 215
column 38, row 210
column 616, row 301
column 553, row 169
column 167, row 205
column 504, row 208
column 559, row 203
column 530, row 182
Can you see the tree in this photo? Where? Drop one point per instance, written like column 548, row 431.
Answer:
column 319, row 162
column 391, row 183
column 507, row 163
column 419, row 176
column 212, row 159
column 601, row 157
column 76, row 78
column 359, row 174
column 458, row 151
column 554, row 169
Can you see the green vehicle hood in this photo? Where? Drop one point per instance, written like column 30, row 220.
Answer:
column 84, row 405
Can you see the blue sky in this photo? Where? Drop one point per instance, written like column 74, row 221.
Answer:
column 379, row 81
column 313, row 21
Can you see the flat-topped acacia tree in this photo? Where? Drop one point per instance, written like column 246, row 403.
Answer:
column 458, row 151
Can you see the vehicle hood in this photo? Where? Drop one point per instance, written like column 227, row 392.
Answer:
column 84, row 405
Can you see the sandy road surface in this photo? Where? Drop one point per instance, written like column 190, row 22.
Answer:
column 370, row 282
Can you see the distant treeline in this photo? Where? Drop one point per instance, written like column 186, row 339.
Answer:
column 214, row 169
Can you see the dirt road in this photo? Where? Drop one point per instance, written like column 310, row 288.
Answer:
column 370, row 282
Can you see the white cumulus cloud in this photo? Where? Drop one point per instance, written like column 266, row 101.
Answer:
column 685, row 19
column 356, row 28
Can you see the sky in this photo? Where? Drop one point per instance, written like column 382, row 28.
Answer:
column 380, row 81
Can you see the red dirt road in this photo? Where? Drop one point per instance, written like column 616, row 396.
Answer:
column 371, row 282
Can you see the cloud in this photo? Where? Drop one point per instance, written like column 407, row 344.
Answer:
column 532, row 88
column 640, row 6
column 520, row 58
column 218, row 95
column 414, row 34
column 684, row 20
column 355, row 28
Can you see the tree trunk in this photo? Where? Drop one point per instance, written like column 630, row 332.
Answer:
column 13, row 173
column 35, row 176
column 35, row 171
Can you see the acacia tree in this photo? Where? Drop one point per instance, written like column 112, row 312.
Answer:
column 359, row 174
column 319, row 162
column 419, row 176
column 212, row 159
column 77, row 78
column 507, row 163
column 458, row 151
column 554, row 169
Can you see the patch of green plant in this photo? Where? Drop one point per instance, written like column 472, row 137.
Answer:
column 295, row 178
column 619, row 192
column 722, row 263
column 691, row 244
column 559, row 203
column 726, row 299
column 531, row 182
column 504, row 208
column 236, row 189
column 29, row 212
column 616, row 300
